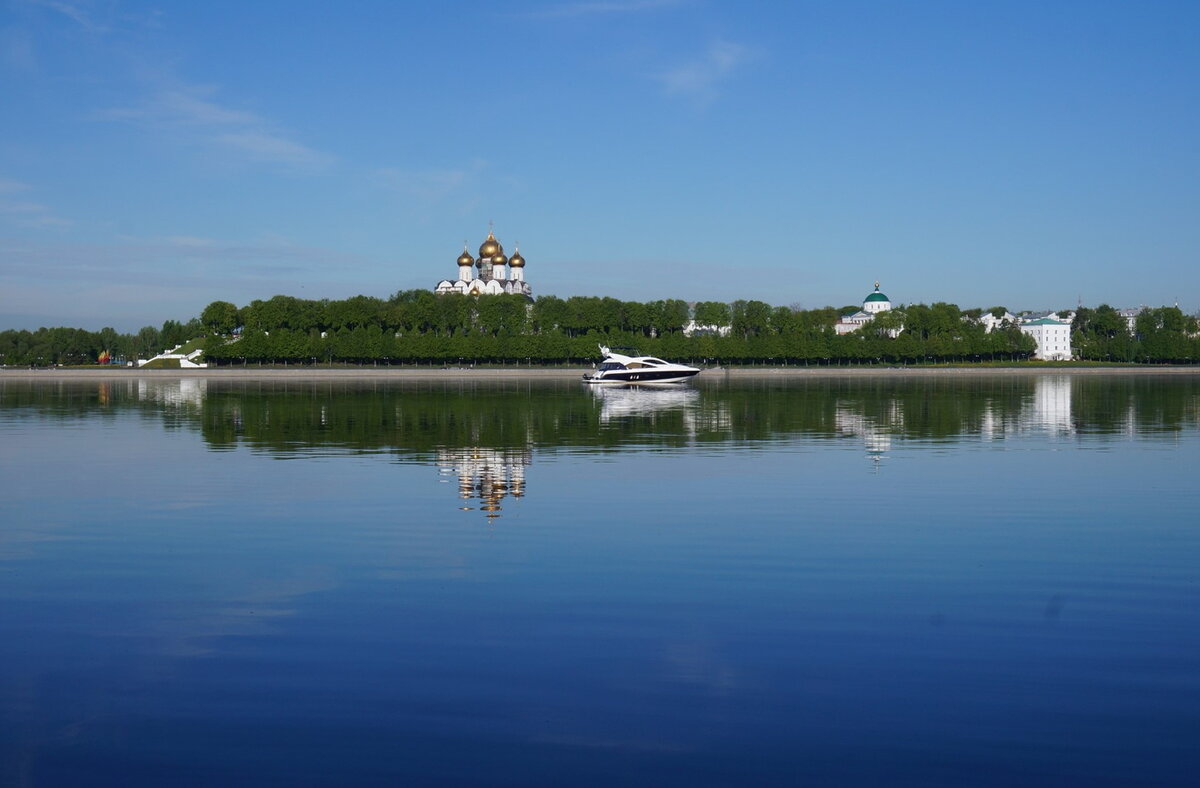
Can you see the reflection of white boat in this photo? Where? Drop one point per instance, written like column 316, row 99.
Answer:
column 621, row 401
column 638, row 370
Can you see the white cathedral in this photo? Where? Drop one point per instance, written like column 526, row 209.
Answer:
column 492, row 277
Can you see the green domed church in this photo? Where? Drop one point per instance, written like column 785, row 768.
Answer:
column 873, row 304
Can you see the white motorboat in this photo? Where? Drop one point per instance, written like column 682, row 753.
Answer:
column 621, row 369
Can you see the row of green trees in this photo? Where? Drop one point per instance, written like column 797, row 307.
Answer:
column 70, row 346
column 1164, row 334
column 422, row 312
column 419, row 327
column 373, row 345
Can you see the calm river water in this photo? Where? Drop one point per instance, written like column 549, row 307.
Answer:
column 928, row 582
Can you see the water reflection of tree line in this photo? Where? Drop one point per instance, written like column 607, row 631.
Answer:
column 294, row 416
column 423, row 421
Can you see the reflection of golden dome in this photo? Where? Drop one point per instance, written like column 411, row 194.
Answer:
column 517, row 261
column 490, row 247
column 499, row 259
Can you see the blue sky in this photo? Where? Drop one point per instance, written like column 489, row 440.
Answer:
column 157, row 156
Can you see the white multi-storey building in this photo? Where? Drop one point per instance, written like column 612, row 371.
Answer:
column 1053, row 338
column 1051, row 333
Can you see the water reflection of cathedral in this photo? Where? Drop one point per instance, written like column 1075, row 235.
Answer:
column 875, row 433
column 486, row 476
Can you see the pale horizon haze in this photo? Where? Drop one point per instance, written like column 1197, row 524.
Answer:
column 155, row 157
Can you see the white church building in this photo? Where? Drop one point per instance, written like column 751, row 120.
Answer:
column 496, row 274
column 873, row 304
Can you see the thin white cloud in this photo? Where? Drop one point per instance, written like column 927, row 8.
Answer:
column 602, row 7
column 42, row 219
column 11, row 187
column 187, row 106
column 103, row 18
column 145, row 280
column 190, row 108
column 421, row 190
column 190, row 241
column 177, row 105
column 428, row 185
column 700, row 79
column 245, row 132
column 262, row 146
column 25, row 213
column 187, row 261
column 79, row 13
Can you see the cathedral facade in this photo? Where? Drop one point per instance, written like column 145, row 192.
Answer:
column 489, row 274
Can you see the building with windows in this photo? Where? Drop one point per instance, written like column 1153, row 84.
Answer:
column 1053, row 337
column 1051, row 332
column 491, row 273
column 1130, row 317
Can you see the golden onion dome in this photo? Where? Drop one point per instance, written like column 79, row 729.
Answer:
column 517, row 261
column 490, row 247
column 499, row 259
column 465, row 258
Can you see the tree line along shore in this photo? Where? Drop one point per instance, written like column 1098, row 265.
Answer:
column 418, row 327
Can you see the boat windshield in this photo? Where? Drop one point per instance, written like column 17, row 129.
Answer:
column 607, row 365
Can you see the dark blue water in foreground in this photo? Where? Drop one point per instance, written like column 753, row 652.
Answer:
column 927, row 583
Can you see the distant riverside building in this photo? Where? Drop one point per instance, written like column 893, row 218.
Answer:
column 1053, row 337
column 873, row 304
column 1051, row 332
column 990, row 322
column 694, row 329
column 496, row 273
column 1130, row 317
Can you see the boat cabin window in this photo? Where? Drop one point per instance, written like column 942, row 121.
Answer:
column 607, row 365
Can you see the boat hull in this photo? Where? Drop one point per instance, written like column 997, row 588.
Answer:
column 627, row 377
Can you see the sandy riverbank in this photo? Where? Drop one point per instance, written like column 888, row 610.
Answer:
column 562, row 373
